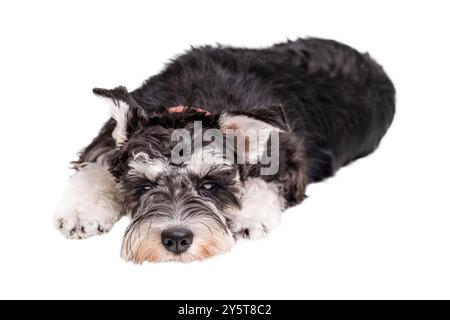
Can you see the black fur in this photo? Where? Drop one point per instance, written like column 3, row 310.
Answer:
column 335, row 102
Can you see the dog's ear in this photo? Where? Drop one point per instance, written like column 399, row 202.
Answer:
column 253, row 128
column 127, row 113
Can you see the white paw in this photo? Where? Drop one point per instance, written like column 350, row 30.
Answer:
column 261, row 210
column 253, row 229
column 90, row 204
column 80, row 220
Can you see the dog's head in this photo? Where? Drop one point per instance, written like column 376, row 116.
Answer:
column 182, row 175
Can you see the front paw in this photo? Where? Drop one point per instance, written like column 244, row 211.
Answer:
column 250, row 232
column 260, row 212
column 81, row 220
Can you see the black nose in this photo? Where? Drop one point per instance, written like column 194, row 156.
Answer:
column 177, row 240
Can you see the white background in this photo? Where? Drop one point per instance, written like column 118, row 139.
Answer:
column 379, row 229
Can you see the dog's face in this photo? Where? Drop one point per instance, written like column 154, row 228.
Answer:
column 179, row 211
column 180, row 202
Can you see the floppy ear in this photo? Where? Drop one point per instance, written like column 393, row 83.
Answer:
column 252, row 129
column 125, row 110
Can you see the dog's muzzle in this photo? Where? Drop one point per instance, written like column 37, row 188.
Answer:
column 177, row 240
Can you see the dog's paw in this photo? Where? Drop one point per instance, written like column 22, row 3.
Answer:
column 261, row 210
column 253, row 233
column 80, row 221
column 90, row 204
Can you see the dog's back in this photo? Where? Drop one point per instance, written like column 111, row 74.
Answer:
column 338, row 101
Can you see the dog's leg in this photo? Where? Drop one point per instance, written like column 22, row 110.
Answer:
column 90, row 204
column 262, row 205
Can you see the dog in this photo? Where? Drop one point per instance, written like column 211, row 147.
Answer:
column 283, row 117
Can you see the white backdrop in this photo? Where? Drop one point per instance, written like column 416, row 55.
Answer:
column 379, row 229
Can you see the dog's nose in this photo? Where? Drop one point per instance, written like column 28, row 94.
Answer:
column 177, row 240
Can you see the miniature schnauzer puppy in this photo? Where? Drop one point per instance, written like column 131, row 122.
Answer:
column 218, row 144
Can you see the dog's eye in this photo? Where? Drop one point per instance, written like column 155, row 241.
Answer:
column 148, row 186
column 208, row 186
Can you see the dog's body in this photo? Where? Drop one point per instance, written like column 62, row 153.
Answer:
column 330, row 104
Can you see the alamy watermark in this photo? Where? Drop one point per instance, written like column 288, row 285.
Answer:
column 236, row 146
